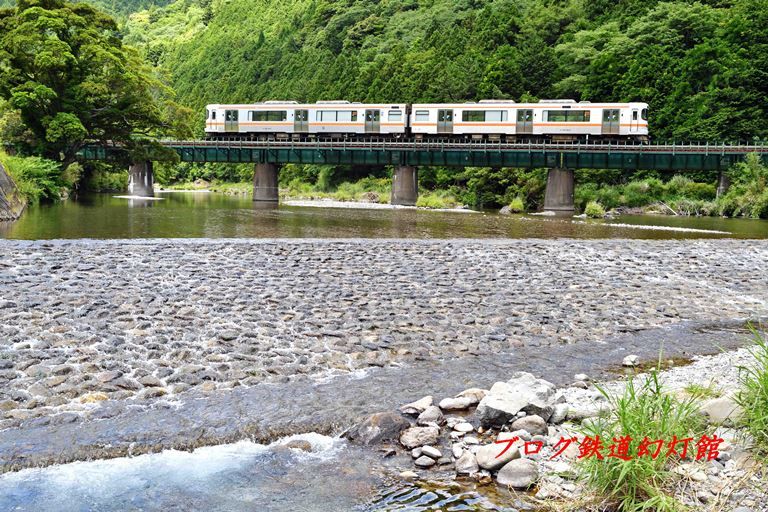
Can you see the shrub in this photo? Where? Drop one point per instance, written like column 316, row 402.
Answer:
column 517, row 205
column 753, row 393
column 436, row 199
column 644, row 409
column 102, row 180
column 594, row 210
column 35, row 177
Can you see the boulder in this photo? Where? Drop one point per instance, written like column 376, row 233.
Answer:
column 12, row 201
column 474, row 394
column 431, row 414
column 490, row 457
column 378, row 427
column 532, row 424
column 419, row 436
column 417, row 407
column 519, row 474
column 466, row 464
column 559, row 414
column 721, row 411
column 523, row 392
column 431, row 451
column 424, row 461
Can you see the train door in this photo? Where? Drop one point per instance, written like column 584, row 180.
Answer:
column 611, row 121
column 300, row 121
column 231, row 123
column 524, row 121
column 634, row 123
column 444, row 121
column 372, row 121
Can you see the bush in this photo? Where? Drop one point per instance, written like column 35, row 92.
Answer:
column 35, row 177
column 517, row 205
column 594, row 210
column 102, row 180
column 753, row 394
column 438, row 199
column 640, row 483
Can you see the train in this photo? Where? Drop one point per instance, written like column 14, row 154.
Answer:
column 495, row 120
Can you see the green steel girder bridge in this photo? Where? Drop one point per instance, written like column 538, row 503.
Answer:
column 407, row 155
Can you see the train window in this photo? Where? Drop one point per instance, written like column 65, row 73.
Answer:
column 231, row 115
column 644, row 114
column 567, row 116
column 395, row 116
column 634, row 115
column 268, row 115
column 473, row 116
column 344, row 116
column 326, row 115
column 422, row 115
column 207, row 114
column 213, row 114
column 495, row 116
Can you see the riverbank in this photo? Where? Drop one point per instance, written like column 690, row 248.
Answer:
column 133, row 325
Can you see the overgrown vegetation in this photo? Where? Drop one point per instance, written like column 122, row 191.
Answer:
column 753, row 393
column 35, row 177
column 594, row 210
column 641, row 483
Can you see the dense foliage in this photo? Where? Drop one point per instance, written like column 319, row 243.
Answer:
column 66, row 74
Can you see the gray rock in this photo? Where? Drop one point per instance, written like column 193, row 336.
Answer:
column 490, row 457
column 455, row 404
column 474, row 394
column 559, row 414
column 523, row 392
column 431, row 451
column 457, row 450
column 424, row 462
column 467, row 464
column 417, row 407
column 721, row 411
column 431, row 414
column 299, row 444
column 518, row 474
column 378, row 427
column 464, row 427
column 533, row 424
column 419, row 436
column 631, row 361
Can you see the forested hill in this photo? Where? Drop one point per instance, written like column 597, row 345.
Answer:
column 118, row 8
column 703, row 66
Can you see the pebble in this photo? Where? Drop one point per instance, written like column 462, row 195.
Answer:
column 431, row 451
column 464, row 427
column 630, row 361
column 425, row 462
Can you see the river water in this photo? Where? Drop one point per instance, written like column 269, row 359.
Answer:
column 211, row 215
column 247, row 475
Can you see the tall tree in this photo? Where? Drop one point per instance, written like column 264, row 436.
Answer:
column 65, row 69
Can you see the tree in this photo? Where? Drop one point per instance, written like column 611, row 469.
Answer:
column 65, row 69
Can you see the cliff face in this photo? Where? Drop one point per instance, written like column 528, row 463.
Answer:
column 11, row 201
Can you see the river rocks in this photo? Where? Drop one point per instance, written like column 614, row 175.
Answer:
column 522, row 392
column 456, row 404
column 417, row 407
column 419, row 436
column 518, row 474
column 431, row 414
column 474, row 395
column 721, row 411
column 425, row 462
column 532, row 424
column 299, row 444
column 495, row 455
column 466, row 464
column 431, row 451
column 463, row 427
column 631, row 361
column 12, row 202
column 378, row 427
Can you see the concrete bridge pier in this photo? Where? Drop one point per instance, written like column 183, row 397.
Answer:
column 405, row 185
column 265, row 188
column 141, row 179
column 558, row 197
column 723, row 183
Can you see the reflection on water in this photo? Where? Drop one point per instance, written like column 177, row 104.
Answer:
column 208, row 215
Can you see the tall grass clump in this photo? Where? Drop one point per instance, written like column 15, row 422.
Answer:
column 594, row 210
column 640, row 483
column 517, row 205
column 753, row 393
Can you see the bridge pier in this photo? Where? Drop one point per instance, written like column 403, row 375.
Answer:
column 559, row 194
column 265, row 183
column 723, row 183
column 141, row 179
column 405, row 185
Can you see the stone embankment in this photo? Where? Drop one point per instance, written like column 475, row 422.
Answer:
column 12, row 203
column 83, row 322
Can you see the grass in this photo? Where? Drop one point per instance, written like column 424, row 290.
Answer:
column 517, row 205
column 437, row 199
column 594, row 210
column 641, row 483
column 36, row 178
column 701, row 392
column 753, row 394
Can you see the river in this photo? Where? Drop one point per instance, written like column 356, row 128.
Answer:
column 212, row 215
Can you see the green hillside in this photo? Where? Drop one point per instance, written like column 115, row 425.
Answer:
column 701, row 66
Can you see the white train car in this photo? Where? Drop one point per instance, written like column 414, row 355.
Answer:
column 292, row 119
column 554, row 119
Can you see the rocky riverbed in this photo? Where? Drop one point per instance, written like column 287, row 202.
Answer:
column 92, row 329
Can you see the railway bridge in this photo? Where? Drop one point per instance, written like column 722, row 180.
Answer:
column 406, row 156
